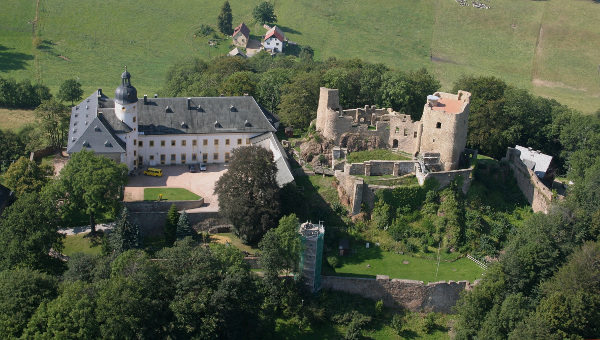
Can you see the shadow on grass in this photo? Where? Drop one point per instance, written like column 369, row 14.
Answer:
column 409, row 334
column 362, row 255
column 289, row 30
column 10, row 61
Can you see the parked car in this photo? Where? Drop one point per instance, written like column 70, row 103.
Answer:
column 193, row 168
column 153, row 172
column 202, row 167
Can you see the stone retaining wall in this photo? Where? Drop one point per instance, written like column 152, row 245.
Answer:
column 379, row 168
column 445, row 177
column 413, row 295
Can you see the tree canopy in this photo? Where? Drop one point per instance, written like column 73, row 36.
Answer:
column 91, row 185
column 53, row 118
column 248, row 193
column 264, row 13
column 25, row 176
column 70, row 91
column 225, row 19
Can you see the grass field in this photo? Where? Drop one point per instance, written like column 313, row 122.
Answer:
column 15, row 119
column 169, row 194
column 379, row 154
column 80, row 243
column 549, row 47
column 392, row 265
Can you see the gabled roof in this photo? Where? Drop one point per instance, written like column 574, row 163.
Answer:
column 535, row 160
column 243, row 29
column 202, row 115
column 275, row 31
column 100, row 137
column 235, row 52
column 270, row 142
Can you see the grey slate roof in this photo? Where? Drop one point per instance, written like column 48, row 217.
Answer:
column 100, row 138
column 269, row 140
column 535, row 160
column 160, row 116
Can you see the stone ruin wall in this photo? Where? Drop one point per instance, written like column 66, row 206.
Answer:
column 413, row 295
column 378, row 168
column 406, row 133
column 538, row 195
column 444, row 178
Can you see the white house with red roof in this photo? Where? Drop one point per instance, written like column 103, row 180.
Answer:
column 274, row 40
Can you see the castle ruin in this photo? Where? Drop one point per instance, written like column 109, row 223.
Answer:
column 438, row 138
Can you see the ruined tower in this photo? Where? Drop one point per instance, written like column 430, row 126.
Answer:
column 445, row 120
column 328, row 114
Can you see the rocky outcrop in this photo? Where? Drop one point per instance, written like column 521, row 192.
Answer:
column 311, row 150
column 358, row 142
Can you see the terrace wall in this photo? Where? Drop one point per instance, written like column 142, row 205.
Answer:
column 413, row 295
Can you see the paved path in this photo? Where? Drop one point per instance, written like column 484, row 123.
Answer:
column 85, row 229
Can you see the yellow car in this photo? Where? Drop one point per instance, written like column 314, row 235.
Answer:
column 153, row 172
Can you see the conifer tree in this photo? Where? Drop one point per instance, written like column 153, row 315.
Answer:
column 126, row 235
column 225, row 19
column 170, row 229
column 183, row 226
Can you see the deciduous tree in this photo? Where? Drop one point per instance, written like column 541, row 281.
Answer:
column 70, row 90
column 53, row 117
column 248, row 193
column 90, row 184
column 25, row 176
column 299, row 100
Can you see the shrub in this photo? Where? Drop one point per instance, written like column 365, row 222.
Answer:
column 397, row 323
column 205, row 30
column 333, row 261
column 428, row 323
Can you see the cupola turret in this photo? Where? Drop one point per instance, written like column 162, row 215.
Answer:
column 126, row 93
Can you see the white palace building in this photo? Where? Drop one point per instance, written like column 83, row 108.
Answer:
column 168, row 131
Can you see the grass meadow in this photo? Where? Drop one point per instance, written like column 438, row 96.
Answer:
column 15, row 119
column 169, row 194
column 548, row 47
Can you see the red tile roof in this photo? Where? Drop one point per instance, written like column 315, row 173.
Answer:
column 275, row 31
column 242, row 28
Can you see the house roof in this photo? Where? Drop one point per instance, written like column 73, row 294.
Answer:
column 202, row 115
column 100, row 137
column 269, row 141
column 275, row 31
column 235, row 52
column 535, row 160
column 242, row 28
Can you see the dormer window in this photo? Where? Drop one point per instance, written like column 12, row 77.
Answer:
column 200, row 109
column 107, row 144
column 97, row 129
column 168, row 109
column 247, row 124
column 86, row 144
column 184, row 125
column 217, row 124
column 232, row 108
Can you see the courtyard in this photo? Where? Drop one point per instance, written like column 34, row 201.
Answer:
column 201, row 183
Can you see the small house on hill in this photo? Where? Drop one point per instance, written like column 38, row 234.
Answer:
column 541, row 164
column 241, row 35
column 274, row 40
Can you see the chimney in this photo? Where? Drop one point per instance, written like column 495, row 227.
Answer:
column 99, row 92
column 145, row 99
column 155, row 95
column 189, row 102
column 222, row 95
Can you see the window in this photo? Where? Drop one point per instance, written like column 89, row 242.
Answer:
column 134, row 162
column 151, row 143
column 227, row 142
column 194, row 142
column 173, row 159
column 162, row 159
column 247, row 140
column 151, row 157
column 415, row 134
column 135, row 142
column 405, row 132
column 141, row 160
column 141, row 143
column 397, row 129
column 183, row 142
column 216, row 156
column 134, row 153
column 226, row 157
column 438, row 125
column 239, row 141
column 194, row 157
column 162, row 143
column 134, row 119
column 216, row 142
column 172, row 142
column 183, row 158
column 205, row 142
column 205, row 157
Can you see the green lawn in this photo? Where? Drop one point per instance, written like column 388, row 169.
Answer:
column 391, row 264
column 389, row 180
column 81, row 243
column 549, row 47
column 169, row 194
column 379, row 154
column 234, row 241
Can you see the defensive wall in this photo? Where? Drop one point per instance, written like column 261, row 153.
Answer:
column 353, row 191
column 42, row 153
column 537, row 193
column 413, row 295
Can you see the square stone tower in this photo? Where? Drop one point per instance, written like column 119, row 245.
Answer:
column 445, row 120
